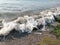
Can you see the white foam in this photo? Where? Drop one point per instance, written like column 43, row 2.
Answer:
column 26, row 27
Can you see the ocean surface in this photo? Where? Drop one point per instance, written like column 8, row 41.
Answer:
column 23, row 6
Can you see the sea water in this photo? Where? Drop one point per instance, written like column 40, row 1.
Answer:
column 24, row 5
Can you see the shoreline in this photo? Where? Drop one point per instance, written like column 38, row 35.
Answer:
column 27, row 39
column 9, row 15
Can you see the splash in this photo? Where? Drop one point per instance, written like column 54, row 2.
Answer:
column 28, row 23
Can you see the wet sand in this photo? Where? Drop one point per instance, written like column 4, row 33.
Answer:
column 21, row 39
column 26, row 39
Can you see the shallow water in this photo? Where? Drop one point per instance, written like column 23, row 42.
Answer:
column 24, row 5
